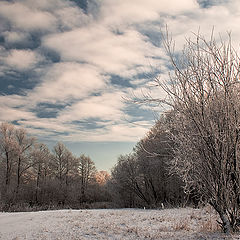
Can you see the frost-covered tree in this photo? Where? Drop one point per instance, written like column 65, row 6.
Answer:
column 23, row 147
column 204, row 92
column 41, row 169
column 142, row 178
column 87, row 172
column 7, row 150
column 60, row 161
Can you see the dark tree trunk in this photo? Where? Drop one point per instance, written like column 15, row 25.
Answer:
column 18, row 174
column 225, row 223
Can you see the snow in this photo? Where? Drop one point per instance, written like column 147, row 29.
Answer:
column 182, row 223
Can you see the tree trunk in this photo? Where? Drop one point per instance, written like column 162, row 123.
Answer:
column 226, row 226
column 226, row 223
column 7, row 177
column 37, row 183
column 18, row 175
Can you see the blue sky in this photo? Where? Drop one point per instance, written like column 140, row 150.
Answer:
column 67, row 67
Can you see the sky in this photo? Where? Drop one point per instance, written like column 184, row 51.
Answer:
column 68, row 68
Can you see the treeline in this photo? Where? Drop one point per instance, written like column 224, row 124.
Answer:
column 32, row 176
column 143, row 178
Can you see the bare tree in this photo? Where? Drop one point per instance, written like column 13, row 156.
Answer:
column 87, row 172
column 123, row 183
column 142, row 178
column 60, row 161
column 154, row 154
column 71, row 167
column 24, row 144
column 130, row 181
column 102, row 177
column 31, row 174
column 41, row 157
column 204, row 92
column 7, row 148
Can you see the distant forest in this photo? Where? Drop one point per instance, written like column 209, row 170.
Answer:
column 34, row 178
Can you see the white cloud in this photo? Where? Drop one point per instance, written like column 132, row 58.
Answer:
column 14, row 107
column 67, row 81
column 100, row 47
column 222, row 18
column 22, row 59
column 113, row 132
column 91, row 49
column 122, row 12
column 70, row 17
column 44, row 15
column 13, row 114
column 12, row 100
column 45, row 5
column 108, row 106
column 14, row 37
column 27, row 17
column 48, row 125
column 127, row 132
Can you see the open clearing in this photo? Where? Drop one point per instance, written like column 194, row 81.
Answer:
column 182, row 223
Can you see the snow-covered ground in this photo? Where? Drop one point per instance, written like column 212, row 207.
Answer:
column 184, row 223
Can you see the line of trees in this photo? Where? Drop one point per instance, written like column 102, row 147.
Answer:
column 32, row 175
column 142, row 178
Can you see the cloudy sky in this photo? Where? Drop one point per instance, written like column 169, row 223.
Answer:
column 66, row 67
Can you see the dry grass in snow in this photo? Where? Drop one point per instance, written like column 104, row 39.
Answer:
column 184, row 223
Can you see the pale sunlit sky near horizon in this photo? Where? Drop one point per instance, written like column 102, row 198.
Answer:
column 67, row 66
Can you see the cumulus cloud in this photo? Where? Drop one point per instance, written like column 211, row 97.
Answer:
column 22, row 59
column 14, row 37
column 25, row 17
column 136, row 11
column 106, row 107
column 12, row 114
column 45, row 5
column 100, row 47
column 45, row 126
column 67, row 81
column 74, row 54
column 121, row 132
column 205, row 20
column 71, row 17
column 14, row 108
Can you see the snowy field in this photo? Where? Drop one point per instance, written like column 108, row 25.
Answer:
column 111, row 224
